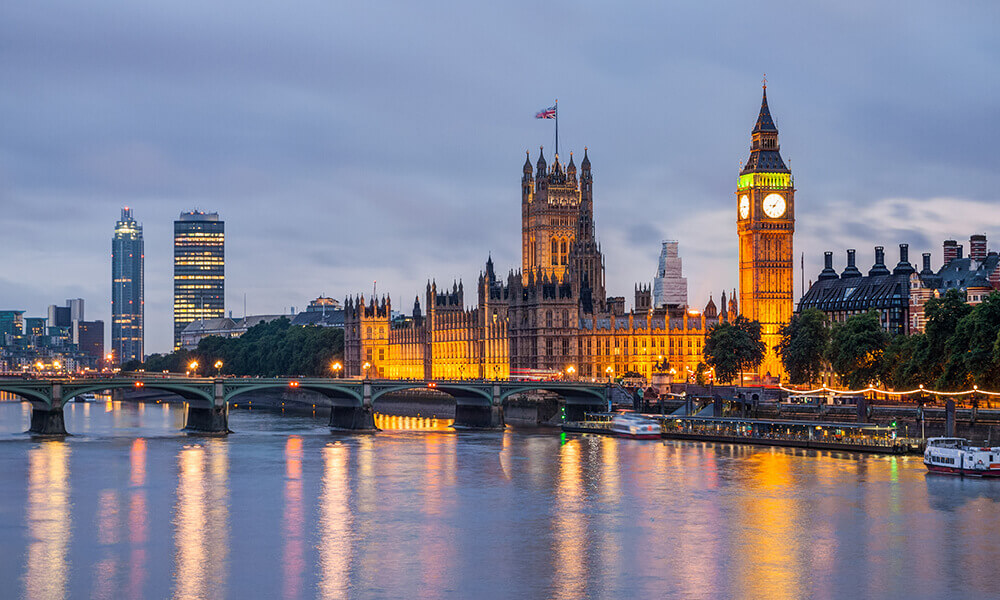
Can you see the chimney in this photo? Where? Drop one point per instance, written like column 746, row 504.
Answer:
column 879, row 267
column 927, row 264
column 903, row 267
column 951, row 250
column 977, row 247
column 828, row 272
column 851, row 270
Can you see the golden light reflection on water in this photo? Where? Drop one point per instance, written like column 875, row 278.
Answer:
column 395, row 422
column 437, row 553
column 294, row 553
column 137, row 520
column 49, row 516
column 335, row 521
column 569, row 528
column 201, row 520
column 769, row 560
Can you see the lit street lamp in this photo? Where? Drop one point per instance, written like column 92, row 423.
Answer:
column 218, row 368
column 570, row 371
column 193, row 367
column 336, row 366
column 611, row 374
column 365, row 367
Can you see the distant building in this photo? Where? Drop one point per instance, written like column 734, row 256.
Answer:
column 322, row 312
column 199, row 270
column 899, row 295
column 11, row 323
column 127, row 300
column 670, row 288
column 89, row 339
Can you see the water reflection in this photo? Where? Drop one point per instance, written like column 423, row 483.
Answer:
column 437, row 550
column 335, row 521
column 395, row 422
column 201, row 521
column 137, row 516
column 49, row 521
column 768, row 554
column 294, row 560
column 570, row 528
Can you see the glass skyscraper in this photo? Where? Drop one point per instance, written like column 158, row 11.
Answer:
column 127, row 257
column 199, row 269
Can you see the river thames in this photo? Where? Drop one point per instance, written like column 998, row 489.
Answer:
column 130, row 507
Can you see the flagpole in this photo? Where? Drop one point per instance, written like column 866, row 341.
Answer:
column 557, row 126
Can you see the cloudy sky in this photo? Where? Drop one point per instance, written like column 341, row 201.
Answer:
column 346, row 142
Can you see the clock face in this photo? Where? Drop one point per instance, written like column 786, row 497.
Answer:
column 744, row 206
column 774, row 205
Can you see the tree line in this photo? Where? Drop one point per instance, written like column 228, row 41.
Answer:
column 268, row 349
column 959, row 348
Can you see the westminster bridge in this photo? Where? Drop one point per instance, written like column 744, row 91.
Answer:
column 478, row 403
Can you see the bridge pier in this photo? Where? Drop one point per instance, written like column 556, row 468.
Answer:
column 355, row 418
column 213, row 419
column 478, row 416
column 46, row 421
column 208, row 420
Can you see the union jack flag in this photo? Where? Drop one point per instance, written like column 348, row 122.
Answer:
column 546, row 113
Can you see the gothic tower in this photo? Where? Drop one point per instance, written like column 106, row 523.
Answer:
column 765, row 221
column 550, row 206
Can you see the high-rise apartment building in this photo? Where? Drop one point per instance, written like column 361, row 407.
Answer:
column 199, row 269
column 127, row 303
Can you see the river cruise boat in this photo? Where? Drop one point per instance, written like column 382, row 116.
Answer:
column 958, row 456
column 635, row 426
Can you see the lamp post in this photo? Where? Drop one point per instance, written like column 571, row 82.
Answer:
column 496, row 372
column 336, row 367
column 570, row 371
column 610, row 373
column 193, row 367
column 218, row 368
column 365, row 368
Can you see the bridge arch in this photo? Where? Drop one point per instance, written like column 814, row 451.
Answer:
column 330, row 390
column 191, row 393
column 455, row 390
column 598, row 394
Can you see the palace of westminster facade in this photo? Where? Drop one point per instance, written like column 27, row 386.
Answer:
column 554, row 312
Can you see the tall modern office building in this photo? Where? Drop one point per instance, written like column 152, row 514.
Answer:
column 127, row 258
column 199, row 269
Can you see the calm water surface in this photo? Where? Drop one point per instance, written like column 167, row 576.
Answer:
column 131, row 508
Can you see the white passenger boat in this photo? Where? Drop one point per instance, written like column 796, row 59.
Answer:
column 635, row 426
column 959, row 456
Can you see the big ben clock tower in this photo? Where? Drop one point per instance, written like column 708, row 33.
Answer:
column 765, row 220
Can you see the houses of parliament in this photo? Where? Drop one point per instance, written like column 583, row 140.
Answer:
column 553, row 315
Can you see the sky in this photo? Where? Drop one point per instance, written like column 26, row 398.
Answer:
column 349, row 143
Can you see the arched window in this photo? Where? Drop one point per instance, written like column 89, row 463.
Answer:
column 555, row 251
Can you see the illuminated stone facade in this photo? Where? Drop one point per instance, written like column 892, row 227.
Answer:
column 765, row 222
column 550, row 315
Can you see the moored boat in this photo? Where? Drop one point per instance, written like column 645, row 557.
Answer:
column 635, row 426
column 959, row 456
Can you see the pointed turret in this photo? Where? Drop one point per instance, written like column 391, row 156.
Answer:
column 542, row 166
column 764, row 120
column 711, row 311
column 585, row 163
column 765, row 156
column 571, row 168
column 527, row 163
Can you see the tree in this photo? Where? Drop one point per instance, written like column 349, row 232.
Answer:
column 803, row 345
column 734, row 347
column 971, row 355
column 856, row 349
column 267, row 349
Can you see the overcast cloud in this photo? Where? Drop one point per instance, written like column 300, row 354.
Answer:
column 349, row 142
